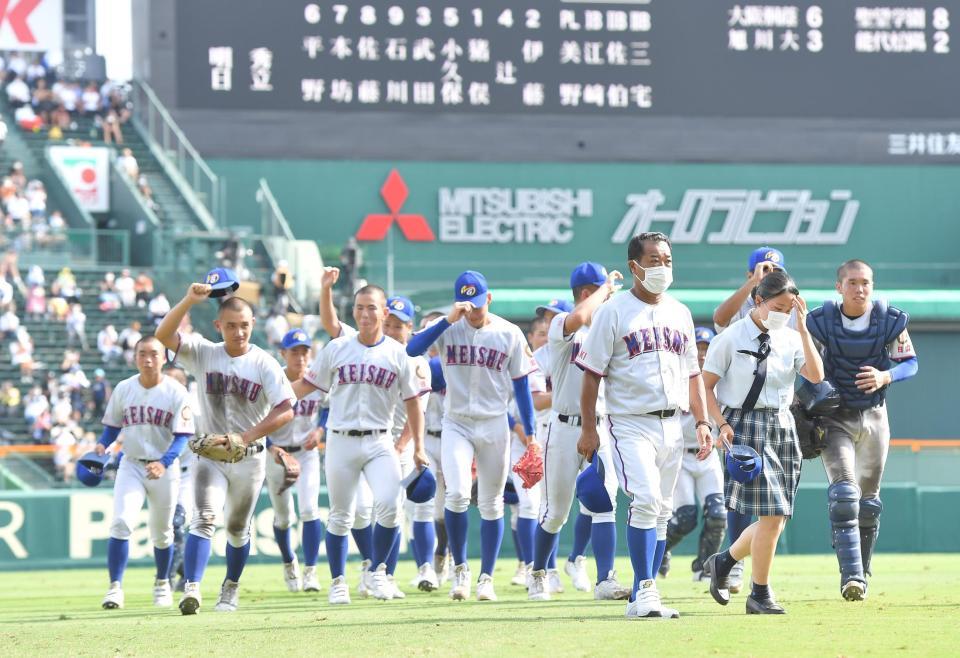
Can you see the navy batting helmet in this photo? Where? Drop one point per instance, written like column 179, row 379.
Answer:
column 90, row 468
column 743, row 463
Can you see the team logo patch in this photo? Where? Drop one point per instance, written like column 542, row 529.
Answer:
column 213, row 277
column 554, row 302
column 186, row 414
column 772, row 256
column 397, row 305
column 299, row 336
column 420, row 372
column 528, row 351
column 468, row 291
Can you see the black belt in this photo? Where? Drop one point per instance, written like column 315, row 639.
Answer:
column 663, row 413
column 434, row 434
column 358, row 432
column 693, row 451
column 291, row 449
column 576, row 421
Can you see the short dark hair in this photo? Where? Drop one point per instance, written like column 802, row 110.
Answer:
column 635, row 247
column 578, row 291
column 370, row 289
column 537, row 321
column 234, row 304
column 775, row 283
column 144, row 339
column 853, row 262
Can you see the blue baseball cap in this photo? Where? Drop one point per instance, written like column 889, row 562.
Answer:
column 762, row 254
column 223, row 280
column 588, row 274
column 704, row 334
column 591, row 487
column 555, row 306
column 420, row 485
column 295, row 338
column 90, row 468
column 471, row 287
column 402, row 308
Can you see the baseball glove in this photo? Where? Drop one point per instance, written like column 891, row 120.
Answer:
column 228, row 447
column 291, row 469
column 810, row 432
column 529, row 468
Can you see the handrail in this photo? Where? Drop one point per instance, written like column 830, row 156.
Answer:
column 265, row 195
column 189, row 164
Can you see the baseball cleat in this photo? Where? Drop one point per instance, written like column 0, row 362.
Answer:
column 229, row 596
column 364, row 586
column 114, row 597
column 854, row 590
column 764, row 607
column 460, row 587
column 395, row 591
column 485, row 588
column 538, row 586
column 668, row 613
column 520, row 576
column 427, row 578
column 700, row 577
column 719, row 587
column 577, row 570
column 310, row 581
column 610, row 589
column 735, row 578
column 339, row 593
column 554, row 586
column 380, row 587
column 646, row 605
column 291, row 575
column 190, row 601
column 162, row 596
column 441, row 564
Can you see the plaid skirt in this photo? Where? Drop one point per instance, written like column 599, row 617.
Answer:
column 774, row 489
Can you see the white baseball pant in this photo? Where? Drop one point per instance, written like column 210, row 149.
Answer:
column 363, row 509
column 185, row 493
column 131, row 488
column 347, row 458
column 487, row 439
column 307, row 485
column 697, row 479
column 432, row 446
column 232, row 489
column 647, row 451
column 420, row 512
column 561, row 466
column 528, row 505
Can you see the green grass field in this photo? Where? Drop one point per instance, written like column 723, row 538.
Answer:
column 913, row 610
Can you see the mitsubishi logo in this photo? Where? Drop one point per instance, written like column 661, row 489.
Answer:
column 413, row 227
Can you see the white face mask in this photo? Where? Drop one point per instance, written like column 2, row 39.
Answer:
column 656, row 280
column 776, row 321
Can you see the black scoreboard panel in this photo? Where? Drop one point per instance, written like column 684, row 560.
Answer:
column 833, row 59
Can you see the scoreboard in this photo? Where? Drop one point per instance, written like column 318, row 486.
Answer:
column 830, row 59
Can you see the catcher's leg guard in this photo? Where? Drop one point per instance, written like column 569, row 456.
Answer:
column 844, row 510
column 681, row 524
column 870, row 510
column 714, row 525
column 179, row 521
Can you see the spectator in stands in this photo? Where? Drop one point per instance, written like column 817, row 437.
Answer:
column 68, row 94
column 9, row 399
column 64, row 442
column 144, row 186
column 43, row 101
column 159, row 306
column 35, row 404
column 52, row 386
column 58, row 227
column 18, row 210
column 109, row 300
column 75, row 383
column 21, row 355
column 60, row 118
column 100, row 390
column 126, row 288
column 3, row 131
column 35, row 276
column 36, row 195
column 282, row 280
column 127, row 339
column 143, row 287
column 6, row 293
column 90, row 100
column 36, row 72
column 27, row 119
column 108, row 344
column 10, row 322
column 128, row 164
column 36, row 302
column 66, row 286
column 16, row 66
column 111, row 128
column 58, row 308
column 18, row 93
column 17, row 176
column 10, row 268
column 77, row 326
column 276, row 327
column 40, row 428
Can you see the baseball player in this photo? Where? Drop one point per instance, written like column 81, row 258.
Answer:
column 364, row 374
column 183, row 511
column 700, row 483
column 481, row 353
column 297, row 441
column 866, row 348
column 591, row 286
column 242, row 391
column 737, row 306
column 153, row 411
column 641, row 342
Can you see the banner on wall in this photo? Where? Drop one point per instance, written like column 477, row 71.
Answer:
column 86, row 171
column 31, row 25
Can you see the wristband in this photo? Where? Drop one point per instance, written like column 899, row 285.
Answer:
column 727, row 424
column 705, row 423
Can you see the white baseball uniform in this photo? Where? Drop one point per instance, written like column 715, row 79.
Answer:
column 364, row 383
column 647, row 353
column 561, row 461
column 235, row 394
column 291, row 438
column 413, row 511
column 697, row 479
column 148, row 418
column 433, row 424
column 188, row 463
column 479, row 366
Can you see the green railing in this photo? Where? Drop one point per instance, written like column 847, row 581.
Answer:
column 74, row 247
